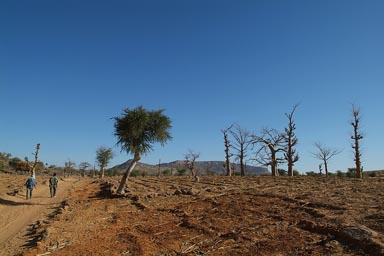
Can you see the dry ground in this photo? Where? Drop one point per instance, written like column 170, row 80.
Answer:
column 217, row 216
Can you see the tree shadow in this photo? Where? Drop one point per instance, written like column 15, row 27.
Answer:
column 104, row 192
column 13, row 203
column 9, row 202
column 34, row 235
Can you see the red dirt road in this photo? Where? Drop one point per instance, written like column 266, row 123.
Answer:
column 17, row 214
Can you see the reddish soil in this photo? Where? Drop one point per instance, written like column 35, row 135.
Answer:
column 216, row 216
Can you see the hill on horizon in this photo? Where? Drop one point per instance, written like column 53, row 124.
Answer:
column 203, row 167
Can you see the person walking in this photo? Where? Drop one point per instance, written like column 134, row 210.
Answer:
column 30, row 184
column 53, row 185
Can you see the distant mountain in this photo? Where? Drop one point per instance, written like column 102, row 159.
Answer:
column 203, row 167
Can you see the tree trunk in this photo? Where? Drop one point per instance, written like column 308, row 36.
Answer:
column 227, row 160
column 274, row 169
column 101, row 172
column 126, row 175
column 36, row 160
column 242, row 171
column 357, row 155
column 273, row 162
column 290, row 162
column 326, row 167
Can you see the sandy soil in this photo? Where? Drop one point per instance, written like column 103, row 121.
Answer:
column 216, row 216
column 19, row 215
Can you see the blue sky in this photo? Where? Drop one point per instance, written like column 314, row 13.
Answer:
column 68, row 67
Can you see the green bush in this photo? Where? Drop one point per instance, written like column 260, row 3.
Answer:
column 135, row 173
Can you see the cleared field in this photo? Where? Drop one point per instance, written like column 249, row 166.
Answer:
column 219, row 216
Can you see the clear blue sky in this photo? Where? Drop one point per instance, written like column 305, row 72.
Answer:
column 67, row 67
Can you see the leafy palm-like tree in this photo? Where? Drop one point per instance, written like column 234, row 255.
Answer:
column 83, row 167
column 103, row 157
column 137, row 130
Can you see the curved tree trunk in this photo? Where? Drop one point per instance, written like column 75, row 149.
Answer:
column 126, row 175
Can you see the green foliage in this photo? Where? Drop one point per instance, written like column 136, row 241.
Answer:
column 103, row 156
column 296, row 173
column 166, row 172
column 137, row 129
column 282, row 172
column 135, row 173
column 340, row 174
column 312, row 173
column 351, row 173
column 181, row 172
column 111, row 172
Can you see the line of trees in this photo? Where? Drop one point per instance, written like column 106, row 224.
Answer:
column 272, row 148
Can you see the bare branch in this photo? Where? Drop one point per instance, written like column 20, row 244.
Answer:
column 325, row 153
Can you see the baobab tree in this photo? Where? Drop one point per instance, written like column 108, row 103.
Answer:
column 103, row 157
column 32, row 169
column 137, row 130
column 227, row 145
column 324, row 154
column 242, row 142
column 271, row 144
column 290, row 139
column 190, row 159
column 356, row 137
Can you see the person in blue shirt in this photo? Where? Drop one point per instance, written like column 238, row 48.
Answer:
column 30, row 184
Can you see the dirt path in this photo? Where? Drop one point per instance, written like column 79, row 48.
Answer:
column 17, row 214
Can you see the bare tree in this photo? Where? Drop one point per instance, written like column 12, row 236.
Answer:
column 356, row 137
column 32, row 169
column 190, row 159
column 271, row 144
column 290, row 154
column 241, row 144
column 324, row 154
column 227, row 145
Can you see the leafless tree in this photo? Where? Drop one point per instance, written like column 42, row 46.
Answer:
column 324, row 154
column 290, row 139
column 32, row 169
column 356, row 137
column 227, row 154
column 242, row 142
column 190, row 159
column 271, row 144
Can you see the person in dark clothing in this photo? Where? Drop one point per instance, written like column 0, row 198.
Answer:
column 53, row 185
column 30, row 184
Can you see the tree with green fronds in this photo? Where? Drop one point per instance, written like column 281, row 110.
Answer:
column 103, row 157
column 83, row 168
column 137, row 130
